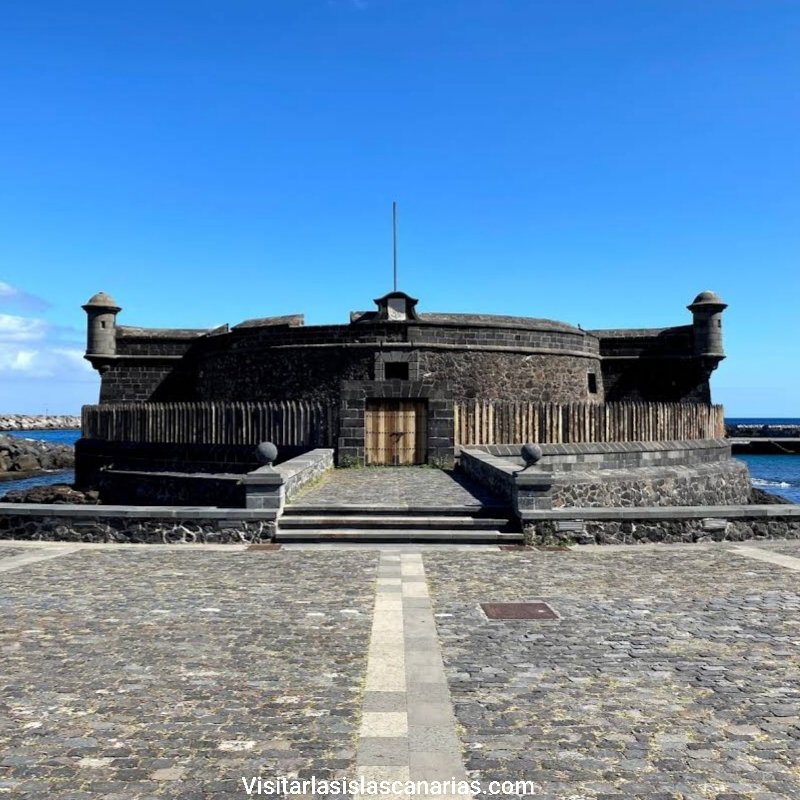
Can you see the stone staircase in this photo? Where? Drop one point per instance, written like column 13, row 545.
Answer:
column 387, row 523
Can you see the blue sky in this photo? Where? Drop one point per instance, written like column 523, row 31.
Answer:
column 596, row 162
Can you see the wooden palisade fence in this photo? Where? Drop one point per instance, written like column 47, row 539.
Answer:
column 500, row 422
column 290, row 422
column 305, row 423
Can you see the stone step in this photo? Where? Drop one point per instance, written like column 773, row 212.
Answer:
column 398, row 535
column 374, row 509
column 324, row 521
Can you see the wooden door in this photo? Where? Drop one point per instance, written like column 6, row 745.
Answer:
column 395, row 432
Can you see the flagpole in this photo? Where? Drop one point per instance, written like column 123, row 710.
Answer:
column 394, row 242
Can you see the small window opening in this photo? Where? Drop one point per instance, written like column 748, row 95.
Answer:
column 102, row 323
column 396, row 370
column 592, row 383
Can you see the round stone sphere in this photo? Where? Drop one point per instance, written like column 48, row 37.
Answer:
column 531, row 453
column 266, row 452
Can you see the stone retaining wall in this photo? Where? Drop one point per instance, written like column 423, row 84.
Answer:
column 157, row 525
column 707, row 484
column 170, row 524
column 214, row 489
column 94, row 455
column 303, row 469
column 581, row 456
column 682, row 474
column 142, row 525
column 667, row 525
column 139, row 487
column 495, row 472
column 270, row 487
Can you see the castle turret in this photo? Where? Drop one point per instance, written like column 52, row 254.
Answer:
column 101, row 326
column 707, row 310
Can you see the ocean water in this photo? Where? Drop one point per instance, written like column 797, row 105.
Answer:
column 762, row 420
column 56, row 436
column 44, row 479
column 776, row 474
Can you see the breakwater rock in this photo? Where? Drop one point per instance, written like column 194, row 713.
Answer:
column 758, row 497
column 38, row 422
column 29, row 455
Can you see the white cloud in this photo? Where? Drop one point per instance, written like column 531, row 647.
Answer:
column 34, row 348
column 16, row 360
column 21, row 329
column 41, row 364
column 44, row 362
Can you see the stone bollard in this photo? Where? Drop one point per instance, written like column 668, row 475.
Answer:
column 265, row 487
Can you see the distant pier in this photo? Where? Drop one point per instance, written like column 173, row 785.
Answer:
column 771, row 440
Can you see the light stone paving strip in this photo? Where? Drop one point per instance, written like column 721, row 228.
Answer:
column 408, row 725
column 790, row 562
column 22, row 559
column 383, row 735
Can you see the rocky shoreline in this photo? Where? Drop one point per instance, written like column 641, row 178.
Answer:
column 29, row 455
column 55, row 493
column 38, row 422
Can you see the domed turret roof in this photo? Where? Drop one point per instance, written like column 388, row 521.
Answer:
column 707, row 297
column 102, row 300
column 708, row 300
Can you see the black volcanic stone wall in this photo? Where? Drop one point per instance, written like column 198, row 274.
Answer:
column 668, row 531
column 134, row 380
column 316, row 374
column 513, row 376
column 721, row 483
column 123, row 528
column 164, row 489
column 281, row 363
column 667, row 381
column 293, row 374
column 129, row 378
column 496, row 336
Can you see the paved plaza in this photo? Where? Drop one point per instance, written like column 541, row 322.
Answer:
column 176, row 671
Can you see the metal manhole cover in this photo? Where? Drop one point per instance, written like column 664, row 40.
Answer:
column 264, row 547
column 518, row 611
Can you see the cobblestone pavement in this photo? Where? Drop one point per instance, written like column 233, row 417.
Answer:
column 142, row 672
column 152, row 672
column 396, row 486
column 672, row 673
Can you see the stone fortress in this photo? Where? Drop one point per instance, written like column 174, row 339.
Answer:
column 396, row 353
column 446, row 355
column 621, row 417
